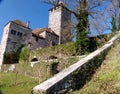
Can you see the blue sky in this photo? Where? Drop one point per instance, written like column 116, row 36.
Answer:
column 33, row 10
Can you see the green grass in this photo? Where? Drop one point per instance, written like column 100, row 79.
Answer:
column 24, row 84
column 10, row 83
column 106, row 80
column 60, row 51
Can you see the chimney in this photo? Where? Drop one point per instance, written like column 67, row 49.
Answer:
column 28, row 24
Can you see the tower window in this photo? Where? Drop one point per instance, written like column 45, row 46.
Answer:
column 21, row 34
column 18, row 33
column 36, row 39
column 13, row 32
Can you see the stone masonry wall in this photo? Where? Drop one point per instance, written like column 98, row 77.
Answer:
column 18, row 35
column 55, row 19
column 4, row 42
column 14, row 36
column 76, row 75
column 59, row 18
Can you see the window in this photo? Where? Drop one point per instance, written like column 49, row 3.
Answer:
column 13, row 32
column 20, row 34
column 36, row 39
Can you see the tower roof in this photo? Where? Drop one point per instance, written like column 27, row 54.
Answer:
column 37, row 32
column 20, row 23
column 59, row 3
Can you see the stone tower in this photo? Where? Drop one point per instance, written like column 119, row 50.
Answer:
column 14, row 36
column 59, row 17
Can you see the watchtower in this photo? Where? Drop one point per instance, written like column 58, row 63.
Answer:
column 14, row 36
column 59, row 18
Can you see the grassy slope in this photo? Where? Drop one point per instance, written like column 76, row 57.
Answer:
column 107, row 78
column 60, row 51
column 10, row 85
column 25, row 84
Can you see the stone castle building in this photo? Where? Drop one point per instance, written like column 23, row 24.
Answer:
column 16, row 33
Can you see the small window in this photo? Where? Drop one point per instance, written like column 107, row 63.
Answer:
column 36, row 39
column 18, row 33
column 21, row 34
column 12, row 31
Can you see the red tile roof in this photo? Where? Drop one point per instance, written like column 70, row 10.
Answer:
column 40, row 30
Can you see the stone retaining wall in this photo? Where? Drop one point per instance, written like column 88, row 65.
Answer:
column 75, row 76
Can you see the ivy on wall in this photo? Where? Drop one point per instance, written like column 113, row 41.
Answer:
column 12, row 57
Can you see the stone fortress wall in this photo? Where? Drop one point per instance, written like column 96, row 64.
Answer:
column 16, row 33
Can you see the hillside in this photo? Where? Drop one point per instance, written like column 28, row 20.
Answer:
column 13, row 83
column 25, row 77
column 106, row 80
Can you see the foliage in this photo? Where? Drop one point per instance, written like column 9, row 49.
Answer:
column 24, row 54
column 119, row 23
column 93, row 44
column 60, row 51
column 12, row 57
column 82, row 40
column 21, row 55
column 81, row 9
column 114, row 28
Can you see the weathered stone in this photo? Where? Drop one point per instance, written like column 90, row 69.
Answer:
column 17, row 34
column 84, row 67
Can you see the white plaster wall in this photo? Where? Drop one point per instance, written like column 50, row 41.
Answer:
column 12, row 42
column 43, row 34
column 4, row 42
column 55, row 20
column 59, row 19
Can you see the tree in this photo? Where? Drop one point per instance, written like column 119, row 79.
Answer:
column 67, row 34
column 114, row 28
column 91, row 15
column 82, row 40
column 114, row 11
column 119, row 22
